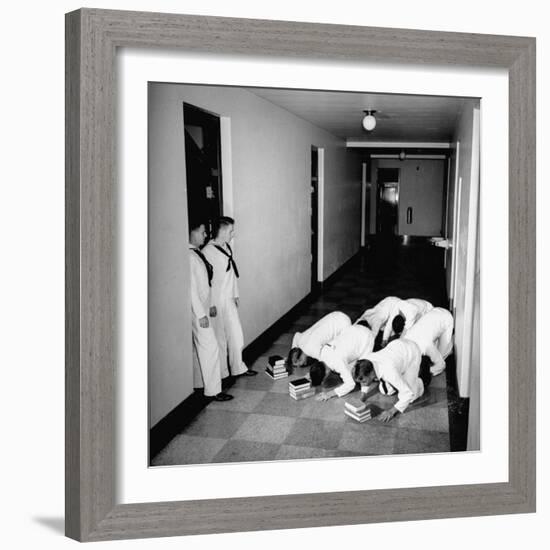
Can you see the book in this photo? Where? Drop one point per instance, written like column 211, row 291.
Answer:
column 299, row 389
column 277, row 368
column 303, row 395
column 305, row 386
column 355, row 405
column 275, row 371
column 276, row 376
column 276, row 360
column 300, row 392
column 299, row 383
column 359, row 418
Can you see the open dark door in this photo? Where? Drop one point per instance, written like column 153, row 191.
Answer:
column 203, row 165
column 387, row 206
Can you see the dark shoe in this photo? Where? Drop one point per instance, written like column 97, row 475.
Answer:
column 250, row 372
column 223, row 397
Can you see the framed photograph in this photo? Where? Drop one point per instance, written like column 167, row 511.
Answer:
column 300, row 275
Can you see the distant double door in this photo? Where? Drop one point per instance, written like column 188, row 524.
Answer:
column 421, row 198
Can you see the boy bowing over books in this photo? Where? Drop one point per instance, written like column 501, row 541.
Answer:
column 306, row 346
column 404, row 315
column 396, row 368
column 340, row 355
column 433, row 333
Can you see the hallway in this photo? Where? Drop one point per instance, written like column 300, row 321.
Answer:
column 264, row 423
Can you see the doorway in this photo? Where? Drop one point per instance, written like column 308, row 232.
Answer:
column 387, row 204
column 203, row 165
column 314, row 224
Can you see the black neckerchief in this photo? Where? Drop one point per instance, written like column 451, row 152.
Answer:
column 207, row 264
column 231, row 262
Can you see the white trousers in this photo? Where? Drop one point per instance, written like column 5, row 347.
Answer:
column 229, row 334
column 440, row 350
column 206, row 353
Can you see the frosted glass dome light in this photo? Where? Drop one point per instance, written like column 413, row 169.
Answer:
column 369, row 122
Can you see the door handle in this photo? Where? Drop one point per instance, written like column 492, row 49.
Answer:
column 441, row 242
column 409, row 215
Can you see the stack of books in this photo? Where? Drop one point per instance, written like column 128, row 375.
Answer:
column 356, row 409
column 300, row 389
column 276, row 367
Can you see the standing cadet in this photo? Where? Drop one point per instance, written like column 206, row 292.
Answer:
column 397, row 368
column 225, row 297
column 339, row 356
column 206, row 350
column 433, row 333
column 306, row 346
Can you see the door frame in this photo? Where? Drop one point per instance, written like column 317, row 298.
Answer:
column 364, row 195
column 465, row 367
column 320, row 213
column 456, row 215
column 220, row 191
column 313, row 210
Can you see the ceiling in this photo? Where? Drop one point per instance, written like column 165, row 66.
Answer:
column 409, row 117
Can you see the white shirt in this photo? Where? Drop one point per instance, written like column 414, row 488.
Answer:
column 397, row 364
column 200, row 289
column 382, row 310
column 422, row 306
column 429, row 328
column 352, row 344
column 322, row 332
column 224, row 283
column 411, row 309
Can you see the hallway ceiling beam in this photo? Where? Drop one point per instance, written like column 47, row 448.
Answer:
column 397, row 144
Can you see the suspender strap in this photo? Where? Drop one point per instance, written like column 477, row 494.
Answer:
column 207, row 264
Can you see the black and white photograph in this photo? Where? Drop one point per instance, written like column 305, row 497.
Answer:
column 270, row 274
column 313, row 274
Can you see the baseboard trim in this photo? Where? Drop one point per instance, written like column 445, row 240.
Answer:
column 178, row 418
column 331, row 279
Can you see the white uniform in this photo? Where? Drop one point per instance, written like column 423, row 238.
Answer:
column 205, row 345
column 397, row 367
column 377, row 316
column 322, row 332
column 353, row 343
column 433, row 333
column 411, row 309
column 227, row 324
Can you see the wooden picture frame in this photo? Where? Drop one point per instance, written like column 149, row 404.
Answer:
column 92, row 37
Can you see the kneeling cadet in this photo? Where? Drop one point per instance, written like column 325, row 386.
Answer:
column 306, row 346
column 396, row 368
column 433, row 333
column 353, row 343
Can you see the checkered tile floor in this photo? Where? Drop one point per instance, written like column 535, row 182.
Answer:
column 263, row 422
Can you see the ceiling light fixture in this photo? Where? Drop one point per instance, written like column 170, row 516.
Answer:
column 369, row 122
